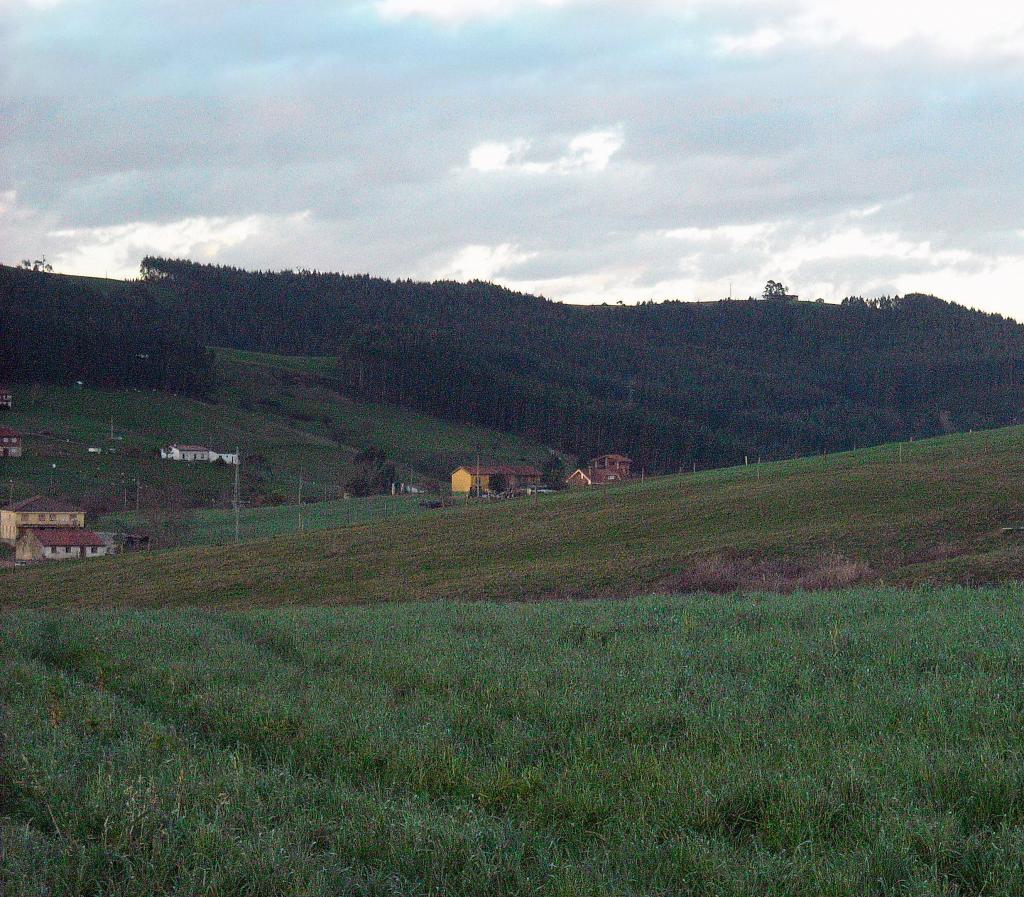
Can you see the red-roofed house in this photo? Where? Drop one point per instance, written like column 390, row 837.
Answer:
column 59, row 544
column 10, row 443
column 478, row 479
column 601, row 471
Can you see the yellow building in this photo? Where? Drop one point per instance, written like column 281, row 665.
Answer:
column 37, row 512
column 479, row 480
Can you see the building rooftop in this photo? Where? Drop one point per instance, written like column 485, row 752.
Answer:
column 41, row 503
column 68, row 537
column 485, row 470
column 7, row 431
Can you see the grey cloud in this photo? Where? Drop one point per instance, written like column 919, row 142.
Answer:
column 237, row 109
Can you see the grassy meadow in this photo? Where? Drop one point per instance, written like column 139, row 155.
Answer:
column 216, row 526
column 285, row 414
column 866, row 742
column 931, row 511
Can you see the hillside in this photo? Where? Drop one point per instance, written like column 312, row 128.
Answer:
column 216, row 526
column 669, row 383
column 672, row 384
column 929, row 511
column 283, row 413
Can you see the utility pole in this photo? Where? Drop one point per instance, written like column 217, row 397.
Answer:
column 10, row 492
column 238, row 464
column 301, row 523
column 111, row 427
column 138, row 491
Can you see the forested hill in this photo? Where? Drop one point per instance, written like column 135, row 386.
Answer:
column 670, row 383
column 106, row 333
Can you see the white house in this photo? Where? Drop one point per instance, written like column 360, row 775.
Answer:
column 176, row 452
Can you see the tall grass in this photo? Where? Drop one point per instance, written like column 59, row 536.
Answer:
column 860, row 743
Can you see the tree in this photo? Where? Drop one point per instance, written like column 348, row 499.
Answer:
column 36, row 265
column 375, row 474
column 498, row 483
column 775, row 292
column 553, row 472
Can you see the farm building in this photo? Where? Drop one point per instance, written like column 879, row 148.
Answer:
column 58, row 544
column 602, row 470
column 176, row 452
column 10, row 443
column 6, row 397
column 494, row 478
column 38, row 512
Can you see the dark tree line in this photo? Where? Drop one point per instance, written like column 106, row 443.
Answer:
column 669, row 383
column 62, row 329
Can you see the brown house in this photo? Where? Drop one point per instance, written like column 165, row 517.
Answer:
column 601, row 471
column 10, row 443
column 58, row 544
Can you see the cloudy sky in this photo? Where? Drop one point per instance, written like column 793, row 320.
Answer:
column 588, row 150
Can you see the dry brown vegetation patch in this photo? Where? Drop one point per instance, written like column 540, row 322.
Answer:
column 721, row 574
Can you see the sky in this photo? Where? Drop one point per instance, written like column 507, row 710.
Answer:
column 586, row 150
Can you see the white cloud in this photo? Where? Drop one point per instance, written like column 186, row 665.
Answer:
column 754, row 42
column 740, row 234
column 948, row 25
column 952, row 27
column 117, row 250
column 479, row 262
column 590, row 151
column 497, row 156
column 454, row 12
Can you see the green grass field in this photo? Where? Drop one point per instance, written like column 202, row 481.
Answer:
column 217, row 526
column 929, row 512
column 867, row 742
column 285, row 414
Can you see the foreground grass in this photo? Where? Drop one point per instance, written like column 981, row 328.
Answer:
column 846, row 744
column 930, row 512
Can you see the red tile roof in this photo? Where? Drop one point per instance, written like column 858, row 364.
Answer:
column 67, row 537
column 7, row 431
column 41, row 503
